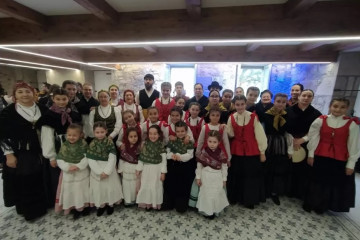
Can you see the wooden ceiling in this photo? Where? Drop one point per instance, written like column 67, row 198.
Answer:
column 236, row 34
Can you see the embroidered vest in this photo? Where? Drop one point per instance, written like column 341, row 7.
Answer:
column 195, row 129
column 244, row 142
column 164, row 109
column 110, row 121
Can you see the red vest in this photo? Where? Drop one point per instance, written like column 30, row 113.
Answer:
column 161, row 123
column 137, row 113
column 221, row 144
column 164, row 109
column 333, row 141
column 195, row 129
column 171, row 132
column 244, row 142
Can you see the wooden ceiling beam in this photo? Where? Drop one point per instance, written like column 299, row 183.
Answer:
column 193, row 8
column 216, row 54
column 294, row 8
column 18, row 11
column 152, row 49
column 252, row 47
column 312, row 45
column 100, row 8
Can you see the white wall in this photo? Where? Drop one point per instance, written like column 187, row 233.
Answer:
column 58, row 76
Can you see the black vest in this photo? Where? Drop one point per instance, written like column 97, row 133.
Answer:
column 145, row 101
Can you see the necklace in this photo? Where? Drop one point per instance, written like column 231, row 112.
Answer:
column 103, row 112
column 33, row 117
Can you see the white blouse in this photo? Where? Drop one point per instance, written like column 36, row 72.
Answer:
column 336, row 122
column 132, row 107
column 105, row 112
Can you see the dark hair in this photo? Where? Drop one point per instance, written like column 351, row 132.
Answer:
column 128, row 111
column 300, row 85
column 179, row 84
column 282, row 95
column 255, row 89
column 266, row 91
column 214, row 109
column 100, row 124
column 103, row 91
column 59, row 91
column 158, row 129
column 228, row 91
column 66, row 82
column 47, row 85
column 129, row 130
column 165, row 84
column 176, row 109
column 199, row 84
column 195, row 104
column 309, row 91
column 53, row 88
column 214, row 90
column 79, row 84
column 239, row 98
column 152, row 108
column 181, row 124
column 215, row 133
column 75, row 126
column 340, row 99
column 149, row 76
column 113, row 85
column 177, row 98
column 240, row 88
column 37, row 89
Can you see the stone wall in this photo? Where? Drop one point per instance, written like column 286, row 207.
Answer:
column 9, row 76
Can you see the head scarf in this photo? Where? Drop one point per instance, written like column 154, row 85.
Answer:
column 23, row 85
column 278, row 117
column 64, row 111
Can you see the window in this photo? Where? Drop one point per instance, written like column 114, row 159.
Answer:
column 184, row 74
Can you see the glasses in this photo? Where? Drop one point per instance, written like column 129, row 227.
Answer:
column 214, row 96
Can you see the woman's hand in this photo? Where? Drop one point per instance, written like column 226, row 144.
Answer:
column 53, row 163
column 297, row 143
column 310, row 161
column 11, row 160
column 262, row 157
column 349, row 171
column 198, row 182
column 162, row 177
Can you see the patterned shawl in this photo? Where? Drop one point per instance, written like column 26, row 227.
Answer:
column 178, row 146
column 73, row 152
column 151, row 152
column 99, row 150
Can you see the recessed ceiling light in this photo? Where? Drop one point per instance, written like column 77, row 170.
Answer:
column 24, row 66
column 39, row 64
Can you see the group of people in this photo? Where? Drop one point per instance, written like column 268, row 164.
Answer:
column 75, row 152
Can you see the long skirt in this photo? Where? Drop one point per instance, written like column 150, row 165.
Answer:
column 151, row 190
column 24, row 186
column 212, row 197
column 177, row 184
column 277, row 175
column 130, row 182
column 330, row 188
column 245, row 183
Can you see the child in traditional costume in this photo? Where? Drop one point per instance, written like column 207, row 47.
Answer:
column 211, row 177
column 170, row 135
column 127, row 166
column 105, row 186
column 333, row 152
column 164, row 103
column 194, row 122
column 180, row 103
column 153, row 119
column 151, row 168
column 246, row 178
column 180, row 173
column 74, row 185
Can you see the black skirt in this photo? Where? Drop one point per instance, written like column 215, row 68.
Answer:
column 177, row 184
column 25, row 186
column 245, row 183
column 330, row 188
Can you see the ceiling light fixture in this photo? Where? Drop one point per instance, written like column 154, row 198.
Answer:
column 184, row 42
column 39, row 64
column 52, row 57
column 24, row 66
column 100, row 63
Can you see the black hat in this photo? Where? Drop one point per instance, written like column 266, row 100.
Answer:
column 149, row 76
column 215, row 84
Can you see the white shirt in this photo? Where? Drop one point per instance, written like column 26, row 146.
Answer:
column 132, row 107
column 105, row 112
column 336, row 122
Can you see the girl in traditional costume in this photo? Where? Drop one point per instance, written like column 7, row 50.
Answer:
column 211, row 177
column 105, row 186
column 151, row 168
column 333, row 152
column 153, row 119
column 74, row 186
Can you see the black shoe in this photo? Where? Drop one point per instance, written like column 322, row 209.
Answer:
column 211, row 217
column 148, row 209
column 275, row 199
column 319, row 211
column 109, row 210
column 100, row 211
column 86, row 211
column 250, row 206
column 306, row 208
column 76, row 215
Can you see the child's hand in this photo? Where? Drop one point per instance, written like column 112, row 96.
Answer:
column 228, row 163
column 138, row 173
column 349, row 171
column 11, row 160
column 310, row 161
column 142, row 145
column 73, row 168
column 178, row 158
column 198, row 182
column 224, row 183
column 162, row 177
column 172, row 138
column 110, row 137
column 122, row 147
column 173, row 157
column 187, row 139
column 222, row 126
column 53, row 163
column 103, row 176
column 262, row 157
